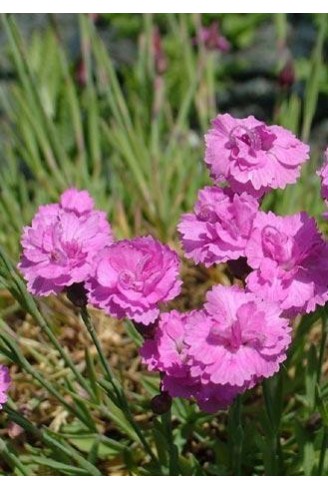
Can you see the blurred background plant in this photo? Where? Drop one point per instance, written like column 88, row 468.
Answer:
column 118, row 104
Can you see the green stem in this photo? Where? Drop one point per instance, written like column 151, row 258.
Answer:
column 236, row 436
column 174, row 469
column 122, row 402
column 24, row 363
column 46, row 437
column 29, row 304
column 322, row 344
column 272, row 430
column 13, row 459
column 323, row 451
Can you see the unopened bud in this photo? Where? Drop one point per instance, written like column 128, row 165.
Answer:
column 147, row 331
column 286, row 77
column 161, row 403
column 77, row 294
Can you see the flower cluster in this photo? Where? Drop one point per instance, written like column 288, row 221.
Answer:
column 215, row 354
column 242, row 334
column 71, row 244
column 290, row 262
column 4, row 384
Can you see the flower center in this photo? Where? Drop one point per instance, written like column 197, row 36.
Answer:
column 129, row 280
column 230, row 337
column 244, row 330
column 258, row 138
column 277, row 245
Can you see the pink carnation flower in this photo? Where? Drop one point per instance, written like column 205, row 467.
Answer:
column 220, row 226
column 290, row 262
column 323, row 173
column 60, row 246
column 245, row 341
column 167, row 353
column 4, row 384
column 132, row 277
column 252, row 156
column 182, row 376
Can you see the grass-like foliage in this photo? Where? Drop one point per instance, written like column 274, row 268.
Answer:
column 124, row 119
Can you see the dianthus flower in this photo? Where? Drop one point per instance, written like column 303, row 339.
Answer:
column 323, row 173
column 220, row 226
column 182, row 376
column 132, row 277
column 290, row 262
column 4, row 384
column 252, row 156
column 60, row 246
column 245, row 341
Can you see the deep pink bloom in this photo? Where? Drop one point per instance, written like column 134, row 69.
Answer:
column 252, row 156
column 220, row 226
column 182, row 376
column 4, row 384
column 212, row 38
column 167, row 353
column 60, row 246
column 290, row 262
column 245, row 341
column 323, row 173
column 133, row 276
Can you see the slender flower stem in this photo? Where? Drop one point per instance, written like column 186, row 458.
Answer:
column 24, row 363
column 174, row 468
column 237, row 433
column 29, row 304
column 122, row 402
column 13, row 459
column 323, row 451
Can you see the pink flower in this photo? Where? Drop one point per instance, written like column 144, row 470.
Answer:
column 213, row 356
column 220, row 226
column 252, row 156
column 290, row 259
column 133, row 276
column 245, row 341
column 4, row 384
column 213, row 39
column 168, row 353
column 62, row 243
column 323, row 173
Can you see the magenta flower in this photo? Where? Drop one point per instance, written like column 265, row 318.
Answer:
column 132, row 277
column 220, row 226
column 245, row 341
column 252, row 156
column 168, row 353
column 4, row 384
column 182, row 376
column 290, row 262
column 323, row 173
column 60, row 246
column 212, row 38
